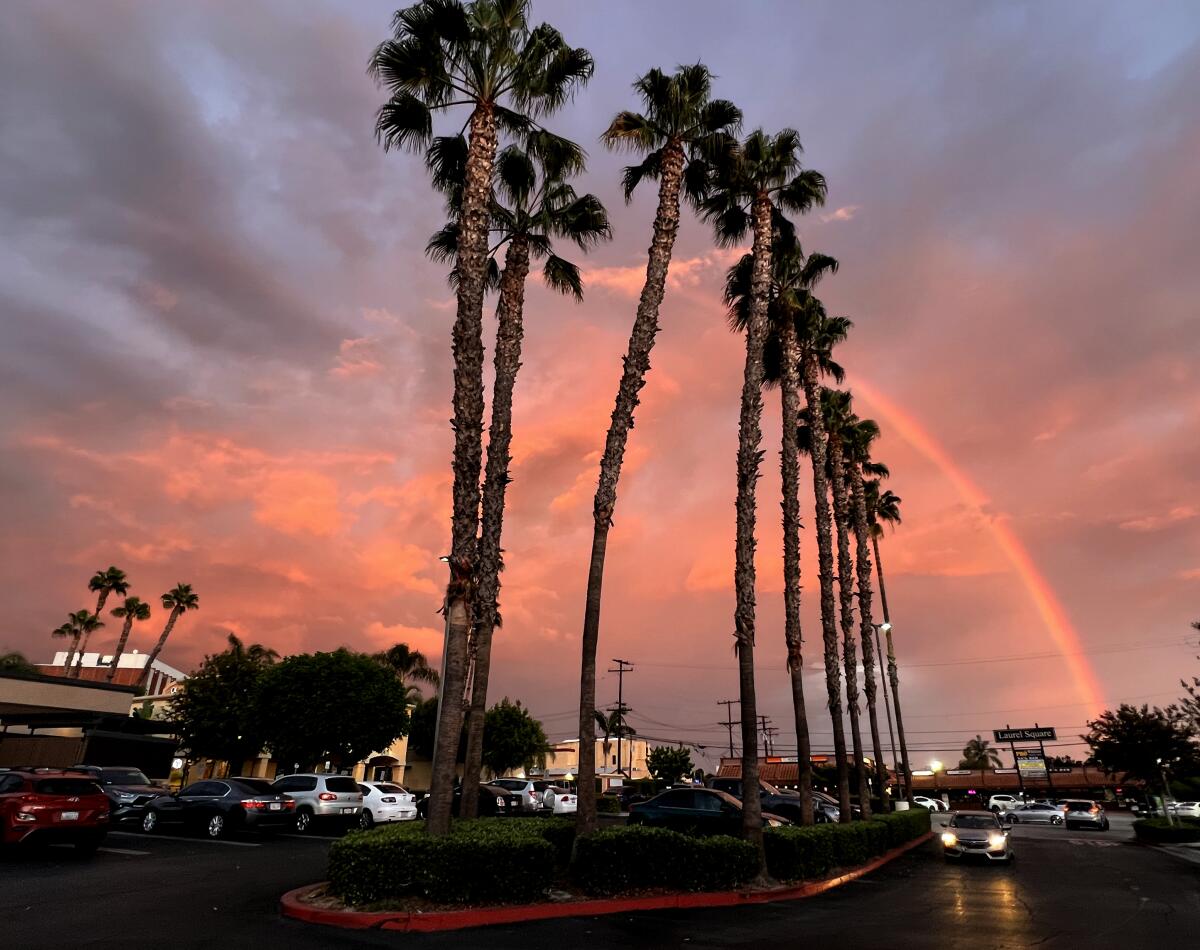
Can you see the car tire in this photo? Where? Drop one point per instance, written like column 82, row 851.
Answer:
column 150, row 821
column 1056, row 820
column 365, row 821
column 214, row 827
column 304, row 821
column 1014, row 820
column 1104, row 827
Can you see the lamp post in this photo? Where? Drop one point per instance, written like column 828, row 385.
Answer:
column 894, row 676
column 935, row 766
column 1162, row 772
column 887, row 703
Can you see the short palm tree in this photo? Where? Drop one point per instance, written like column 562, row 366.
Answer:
column 133, row 609
column 179, row 599
column 485, row 56
column 409, row 665
column 793, row 276
column 103, row 583
column 753, row 184
column 613, row 724
column 80, row 625
column 533, row 203
column 978, row 754
column 680, row 125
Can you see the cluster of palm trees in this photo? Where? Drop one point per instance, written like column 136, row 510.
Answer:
column 506, row 181
column 81, row 624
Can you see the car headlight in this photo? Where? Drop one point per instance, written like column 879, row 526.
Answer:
column 996, row 840
column 126, row 797
column 949, row 839
column 499, row 802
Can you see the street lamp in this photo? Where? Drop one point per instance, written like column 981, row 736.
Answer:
column 1162, row 771
column 935, row 766
column 568, row 778
column 894, row 677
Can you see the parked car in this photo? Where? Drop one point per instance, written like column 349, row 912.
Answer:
column 825, row 808
column 705, row 811
column 531, row 798
column 626, row 795
column 933, row 804
column 48, row 806
column 1036, row 813
column 976, row 834
column 1188, row 810
column 559, row 801
column 334, row 799
column 384, row 801
column 493, row 801
column 999, row 803
column 127, row 788
column 1084, row 813
column 773, row 800
column 218, row 806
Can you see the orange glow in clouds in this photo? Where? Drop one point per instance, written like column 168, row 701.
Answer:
column 1051, row 611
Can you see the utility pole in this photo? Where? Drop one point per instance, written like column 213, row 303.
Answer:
column 730, row 722
column 769, row 741
column 623, row 666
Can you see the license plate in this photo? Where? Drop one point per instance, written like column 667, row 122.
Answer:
column 274, row 806
column 349, row 811
column 69, row 816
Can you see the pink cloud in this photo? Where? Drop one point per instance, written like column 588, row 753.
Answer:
column 357, row 358
column 1157, row 522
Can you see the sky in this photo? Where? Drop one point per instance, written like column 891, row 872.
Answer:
column 225, row 359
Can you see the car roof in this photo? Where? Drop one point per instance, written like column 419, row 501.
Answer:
column 975, row 811
column 46, row 772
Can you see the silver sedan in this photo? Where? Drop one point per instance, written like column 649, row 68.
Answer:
column 1036, row 813
column 976, row 834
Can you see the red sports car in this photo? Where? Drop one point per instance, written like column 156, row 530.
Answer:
column 52, row 805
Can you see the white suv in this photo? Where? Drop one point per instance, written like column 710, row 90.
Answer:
column 999, row 803
column 334, row 798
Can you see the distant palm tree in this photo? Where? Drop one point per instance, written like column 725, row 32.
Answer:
column 178, row 600
column 613, row 724
column 133, row 609
column 80, row 624
column 533, row 203
column 681, row 124
column 978, row 754
column 483, row 55
column 110, row 581
column 409, row 665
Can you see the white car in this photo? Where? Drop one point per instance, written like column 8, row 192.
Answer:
column 1000, row 803
column 1187, row 809
column 933, row 804
column 559, row 801
column 385, row 801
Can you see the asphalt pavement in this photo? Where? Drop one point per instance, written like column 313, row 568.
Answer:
column 1065, row 890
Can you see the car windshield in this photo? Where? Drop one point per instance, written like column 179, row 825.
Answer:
column 257, row 785
column 974, row 821
column 123, row 777
column 341, row 783
column 67, row 786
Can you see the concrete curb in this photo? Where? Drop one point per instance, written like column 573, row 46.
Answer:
column 290, row 904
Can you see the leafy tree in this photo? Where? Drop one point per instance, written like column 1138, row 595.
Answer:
column 337, row 706
column 13, row 663
column 103, row 583
column 1142, row 743
column 215, row 710
column 513, row 739
column 178, row 600
column 669, row 763
column 1062, row 762
column 1190, row 704
column 133, row 609
column 978, row 754
column 422, row 725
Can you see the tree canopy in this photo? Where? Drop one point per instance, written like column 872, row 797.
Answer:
column 668, row 763
column 1141, row 743
column 978, row 754
column 513, row 739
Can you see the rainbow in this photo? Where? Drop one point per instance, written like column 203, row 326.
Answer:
column 1053, row 615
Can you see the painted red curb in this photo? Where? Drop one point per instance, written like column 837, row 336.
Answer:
column 290, row 904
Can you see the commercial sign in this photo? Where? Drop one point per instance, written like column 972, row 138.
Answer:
column 1031, row 734
column 960, row 772
column 1030, row 764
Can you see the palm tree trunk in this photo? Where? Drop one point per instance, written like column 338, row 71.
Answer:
column 71, row 652
column 866, row 627
column 158, row 647
column 633, row 378
column 509, row 331
column 893, row 677
column 846, row 598
column 100, row 601
column 467, row 347
column 833, row 679
column 789, row 464
column 112, row 670
column 748, row 457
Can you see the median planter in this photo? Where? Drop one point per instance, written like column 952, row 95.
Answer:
column 1158, row 831
column 802, row 853
column 635, row 858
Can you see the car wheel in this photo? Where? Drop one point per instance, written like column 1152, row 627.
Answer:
column 1014, row 820
column 304, row 821
column 150, row 821
column 1056, row 820
column 365, row 821
column 215, row 826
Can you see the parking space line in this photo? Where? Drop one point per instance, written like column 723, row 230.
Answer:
column 235, row 844
column 312, row 837
column 121, row 851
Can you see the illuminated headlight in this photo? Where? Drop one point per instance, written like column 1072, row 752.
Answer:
column 949, row 839
column 996, row 840
column 772, row 823
column 499, row 802
column 126, row 797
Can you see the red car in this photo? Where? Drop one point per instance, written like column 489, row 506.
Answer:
column 52, row 805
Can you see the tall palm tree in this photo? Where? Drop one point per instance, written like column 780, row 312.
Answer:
column 179, row 599
column 134, row 608
column 821, row 333
column 754, row 183
column 978, row 754
column 483, row 55
column 533, row 203
column 409, row 665
column 80, row 624
column 793, row 274
column 680, row 126
column 858, row 438
column 102, row 583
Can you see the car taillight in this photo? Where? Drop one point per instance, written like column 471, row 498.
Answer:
column 532, row 793
column 289, row 804
column 252, row 803
column 327, row 797
column 1095, row 809
column 390, row 799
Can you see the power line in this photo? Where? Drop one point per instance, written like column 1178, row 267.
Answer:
column 729, row 721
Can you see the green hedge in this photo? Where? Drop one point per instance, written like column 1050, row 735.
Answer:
column 635, row 858
column 1157, row 831
column 607, row 805
column 487, row 860
column 798, row 853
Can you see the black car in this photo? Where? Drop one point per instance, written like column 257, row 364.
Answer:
column 218, row 806
column 493, row 800
column 704, row 811
column 778, row 802
column 127, row 788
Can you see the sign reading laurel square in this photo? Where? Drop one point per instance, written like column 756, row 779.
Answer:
column 1030, row 734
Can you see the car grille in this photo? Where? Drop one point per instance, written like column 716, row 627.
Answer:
column 974, row 844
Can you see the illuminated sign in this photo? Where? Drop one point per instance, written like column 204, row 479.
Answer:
column 1031, row 734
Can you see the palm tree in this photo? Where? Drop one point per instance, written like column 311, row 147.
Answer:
column 792, row 274
column 681, row 125
column 103, row 583
column 533, row 203
column 409, row 665
column 820, row 334
column 80, row 624
column 754, row 183
column 179, row 599
column 978, row 754
column 483, row 55
column 613, row 724
column 133, row 609
column 858, row 438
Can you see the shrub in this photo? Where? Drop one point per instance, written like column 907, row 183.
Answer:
column 634, row 858
column 797, row 853
column 607, row 804
column 1157, row 831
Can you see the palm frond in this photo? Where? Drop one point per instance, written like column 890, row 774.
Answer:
column 404, row 121
column 563, row 276
column 633, row 175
